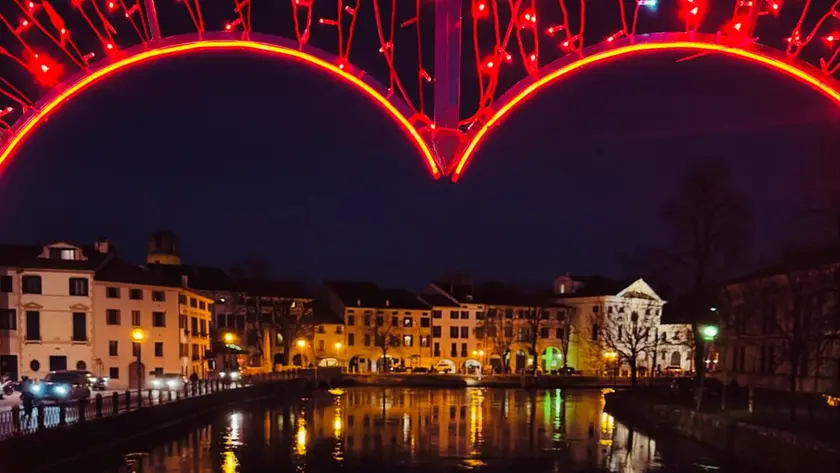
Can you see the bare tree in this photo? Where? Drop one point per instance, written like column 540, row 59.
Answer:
column 385, row 337
column 567, row 322
column 498, row 332
column 631, row 332
column 707, row 221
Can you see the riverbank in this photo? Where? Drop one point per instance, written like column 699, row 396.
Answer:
column 754, row 444
column 48, row 448
column 462, row 381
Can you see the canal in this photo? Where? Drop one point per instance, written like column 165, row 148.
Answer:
column 366, row 430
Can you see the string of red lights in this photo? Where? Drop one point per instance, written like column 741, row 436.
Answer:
column 52, row 42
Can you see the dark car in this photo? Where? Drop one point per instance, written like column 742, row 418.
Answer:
column 62, row 386
column 97, row 383
column 169, row 382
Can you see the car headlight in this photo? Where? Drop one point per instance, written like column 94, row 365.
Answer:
column 93, row 380
column 222, row 374
column 36, row 388
column 234, row 376
column 60, row 390
column 155, row 382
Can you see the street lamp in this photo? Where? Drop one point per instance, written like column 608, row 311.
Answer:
column 612, row 357
column 228, row 338
column 709, row 332
column 138, row 335
column 301, row 343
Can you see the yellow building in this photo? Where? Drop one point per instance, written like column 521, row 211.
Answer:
column 195, row 317
column 381, row 323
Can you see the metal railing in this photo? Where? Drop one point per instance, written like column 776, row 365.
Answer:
column 17, row 421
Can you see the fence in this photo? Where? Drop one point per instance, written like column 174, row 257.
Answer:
column 17, row 422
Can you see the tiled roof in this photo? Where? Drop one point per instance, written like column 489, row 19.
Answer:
column 368, row 294
column 119, row 270
column 438, row 300
column 202, row 278
column 284, row 289
column 27, row 256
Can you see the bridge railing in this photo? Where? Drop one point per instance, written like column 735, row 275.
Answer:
column 16, row 421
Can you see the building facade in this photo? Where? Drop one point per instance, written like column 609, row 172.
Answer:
column 781, row 327
column 46, row 308
column 381, row 324
column 195, row 318
column 618, row 325
column 129, row 298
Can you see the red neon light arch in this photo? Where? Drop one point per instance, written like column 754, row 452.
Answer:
column 761, row 55
column 65, row 92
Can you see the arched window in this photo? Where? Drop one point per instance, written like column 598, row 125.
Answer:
column 676, row 359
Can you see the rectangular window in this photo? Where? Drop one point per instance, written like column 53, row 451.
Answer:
column 33, row 325
column 31, row 284
column 79, row 327
column 425, row 322
column 465, row 315
column 453, row 332
column 114, row 372
column 558, row 334
column 135, row 294
column 8, row 319
column 6, row 284
column 112, row 317
column 408, row 322
column 544, row 332
column 112, row 292
column 58, row 363
column 321, row 345
column 437, row 349
column 453, row 314
column 464, row 350
column 367, row 339
column 194, row 325
column 193, row 302
column 436, row 331
column 453, row 350
column 479, row 332
column 424, row 341
column 408, row 340
column 351, row 320
column 113, row 348
column 158, row 296
column 182, row 299
column 479, row 315
column 201, row 305
column 465, row 332
column 135, row 349
column 78, row 287
column 135, row 318
column 158, row 319
column 436, row 314
column 158, row 348
column 158, row 372
column 351, row 339
column 367, row 320
column 203, row 328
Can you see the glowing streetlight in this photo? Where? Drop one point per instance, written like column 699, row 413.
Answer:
column 229, row 337
column 138, row 335
column 301, row 343
column 709, row 332
column 338, row 346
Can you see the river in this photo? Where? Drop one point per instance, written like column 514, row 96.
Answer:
column 367, row 430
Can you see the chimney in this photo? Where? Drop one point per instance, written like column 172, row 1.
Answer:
column 185, row 281
column 358, row 302
column 101, row 246
column 387, row 303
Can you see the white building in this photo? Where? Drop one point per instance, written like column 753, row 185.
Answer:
column 46, row 308
column 616, row 321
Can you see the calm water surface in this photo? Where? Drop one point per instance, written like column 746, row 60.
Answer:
column 366, row 430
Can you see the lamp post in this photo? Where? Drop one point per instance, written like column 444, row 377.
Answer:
column 480, row 355
column 612, row 357
column 338, row 346
column 301, row 345
column 138, row 336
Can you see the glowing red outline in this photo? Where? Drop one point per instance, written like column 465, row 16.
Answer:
column 562, row 68
column 67, row 92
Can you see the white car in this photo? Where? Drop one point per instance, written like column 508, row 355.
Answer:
column 443, row 367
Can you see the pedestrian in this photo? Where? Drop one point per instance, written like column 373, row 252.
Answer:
column 27, row 398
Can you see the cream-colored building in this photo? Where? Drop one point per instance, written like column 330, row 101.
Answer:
column 46, row 308
column 195, row 319
column 127, row 298
column 455, row 321
column 374, row 317
column 615, row 320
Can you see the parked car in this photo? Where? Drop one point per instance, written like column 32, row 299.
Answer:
column 420, row 370
column 169, row 382
column 443, row 367
column 62, row 386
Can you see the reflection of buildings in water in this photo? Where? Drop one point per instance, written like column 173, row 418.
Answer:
column 632, row 451
column 462, row 423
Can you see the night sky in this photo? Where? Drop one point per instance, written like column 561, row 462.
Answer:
column 244, row 156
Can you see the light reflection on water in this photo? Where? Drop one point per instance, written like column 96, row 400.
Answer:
column 395, row 429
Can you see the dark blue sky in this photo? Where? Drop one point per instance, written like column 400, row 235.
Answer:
column 246, row 156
